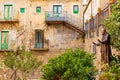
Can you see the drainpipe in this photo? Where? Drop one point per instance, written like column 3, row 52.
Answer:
column 91, row 8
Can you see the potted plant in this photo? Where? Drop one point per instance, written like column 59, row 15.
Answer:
column 86, row 20
column 111, row 1
column 91, row 16
column 99, row 10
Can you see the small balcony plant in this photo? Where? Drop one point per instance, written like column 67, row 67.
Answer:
column 111, row 1
column 99, row 10
column 86, row 20
column 91, row 16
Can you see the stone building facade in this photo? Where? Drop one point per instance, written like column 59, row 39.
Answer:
column 49, row 27
column 46, row 27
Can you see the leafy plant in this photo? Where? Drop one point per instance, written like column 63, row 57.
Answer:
column 72, row 65
column 111, row 72
column 112, row 24
column 21, row 60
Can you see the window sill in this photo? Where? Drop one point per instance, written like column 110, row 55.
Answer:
column 40, row 49
column 5, row 50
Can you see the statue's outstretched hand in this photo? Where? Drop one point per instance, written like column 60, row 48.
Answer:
column 99, row 40
column 94, row 43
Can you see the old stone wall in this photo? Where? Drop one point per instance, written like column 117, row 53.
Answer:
column 30, row 21
column 60, row 38
column 57, row 38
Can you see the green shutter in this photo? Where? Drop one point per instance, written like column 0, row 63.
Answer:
column 38, row 9
column 22, row 10
column 4, row 44
column 8, row 11
column 75, row 9
column 0, row 40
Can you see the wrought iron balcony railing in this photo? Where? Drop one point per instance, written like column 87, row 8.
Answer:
column 44, row 48
column 51, row 16
column 63, row 16
column 97, row 20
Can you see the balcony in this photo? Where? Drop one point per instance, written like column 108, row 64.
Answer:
column 10, row 18
column 94, row 23
column 44, row 48
column 64, row 18
column 52, row 18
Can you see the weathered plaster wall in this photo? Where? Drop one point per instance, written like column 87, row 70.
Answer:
column 30, row 21
column 60, row 38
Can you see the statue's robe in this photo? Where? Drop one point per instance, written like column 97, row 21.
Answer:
column 105, row 50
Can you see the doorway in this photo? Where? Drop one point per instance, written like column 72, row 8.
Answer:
column 8, row 8
column 57, row 10
column 4, row 39
column 39, row 39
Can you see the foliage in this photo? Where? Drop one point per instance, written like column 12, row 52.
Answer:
column 26, row 62
column 21, row 60
column 72, row 65
column 10, row 60
column 111, row 72
column 112, row 24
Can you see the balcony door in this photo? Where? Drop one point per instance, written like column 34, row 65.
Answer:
column 8, row 8
column 4, row 39
column 39, row 39
column 57, row 10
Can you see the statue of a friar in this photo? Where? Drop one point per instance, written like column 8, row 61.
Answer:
column 104, row 43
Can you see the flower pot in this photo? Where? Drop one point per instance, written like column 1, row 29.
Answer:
column 99, row 10
column 111, row 1
column 86, row 20
column 91, row 16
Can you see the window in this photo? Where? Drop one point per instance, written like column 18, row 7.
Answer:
column 75, row 9
column 8, row 8
column 57, row 10
column 94, row 49
column 22, row 10
column 4, row 39
column 39, row 36
column 38, row 9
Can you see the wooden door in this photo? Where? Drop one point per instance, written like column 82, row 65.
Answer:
column 39, row 39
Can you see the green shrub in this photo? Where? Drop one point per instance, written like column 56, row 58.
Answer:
column 111, row 72
column 112, row 24
column 72, row 65
column 21, row 60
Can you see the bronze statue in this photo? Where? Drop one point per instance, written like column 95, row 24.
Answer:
column 104, row 43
